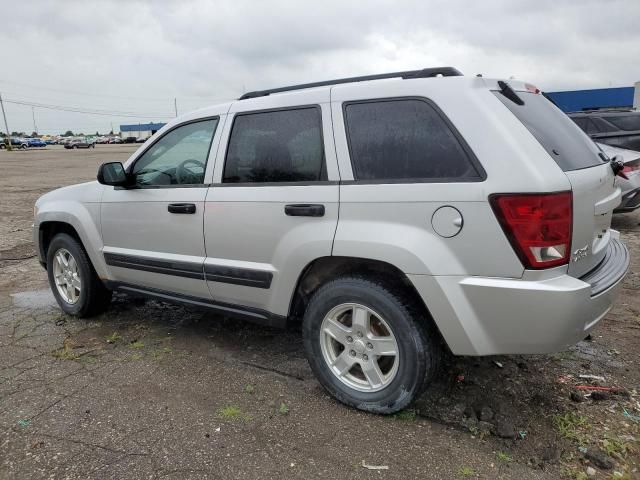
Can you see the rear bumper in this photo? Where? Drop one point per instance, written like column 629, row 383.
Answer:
column 547, row 313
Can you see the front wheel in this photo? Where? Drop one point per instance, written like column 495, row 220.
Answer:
column 73, row 281
column 368, row 345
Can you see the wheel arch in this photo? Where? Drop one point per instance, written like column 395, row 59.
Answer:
column 324, row 269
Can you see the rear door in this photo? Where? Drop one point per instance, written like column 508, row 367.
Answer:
column 273, row 207
column 591, row 177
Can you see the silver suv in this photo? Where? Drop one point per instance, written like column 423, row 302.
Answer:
column 394, row 215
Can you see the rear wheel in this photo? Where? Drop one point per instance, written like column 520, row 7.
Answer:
column 368, row 345
column 73, row 281
column 23, row 146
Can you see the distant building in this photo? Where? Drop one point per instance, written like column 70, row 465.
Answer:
column 140, row 130
column 597, row 98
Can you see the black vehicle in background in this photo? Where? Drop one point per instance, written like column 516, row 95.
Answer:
column 612, row 127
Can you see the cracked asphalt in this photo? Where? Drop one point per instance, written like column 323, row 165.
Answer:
column 151, row 390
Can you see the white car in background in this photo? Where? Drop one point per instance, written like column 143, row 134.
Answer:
column 630, row 186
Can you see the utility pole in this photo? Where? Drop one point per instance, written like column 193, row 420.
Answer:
column 33, row 114
column 175, row 105
column 5, row 124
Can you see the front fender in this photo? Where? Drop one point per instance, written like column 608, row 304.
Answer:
column 79, row 207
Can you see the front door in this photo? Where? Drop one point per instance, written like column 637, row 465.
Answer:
column 274, row 206
column 152, row 232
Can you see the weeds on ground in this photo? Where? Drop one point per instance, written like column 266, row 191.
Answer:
column 405, row 415
column 466, row 472
column 232, row 412
column 137, row 345
column 136, row 356
column 249, row 388
column 113, row 338
column 284, row 408
column 65, row 353
column 503, row 457
column 572, row 427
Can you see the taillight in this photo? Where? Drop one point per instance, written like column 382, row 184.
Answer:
column 538, row 226
column 628, row 168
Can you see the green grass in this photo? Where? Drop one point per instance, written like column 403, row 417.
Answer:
column 136, row 356
column 113, row 338
column 137, row 345
column 571, row 426
column 405, row 415
column 503, row 457
column 284, row 408
column 466, row 472
column 65, row 353
column 249, row 389
column 231, row 412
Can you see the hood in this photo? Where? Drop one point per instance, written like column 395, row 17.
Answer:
column 89, row 192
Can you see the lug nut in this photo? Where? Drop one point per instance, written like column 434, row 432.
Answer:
column 365, row 358
column 369, row 346
column 349, row 339
column 352, row 353
column 360, row 334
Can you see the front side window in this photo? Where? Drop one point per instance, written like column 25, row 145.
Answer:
column 404, row 139
column 178, row 158
column 276, row 146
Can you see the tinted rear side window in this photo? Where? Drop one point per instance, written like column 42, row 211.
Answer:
column 278, row 146
column 627, row 122
column 560, row 137
column 404, row 139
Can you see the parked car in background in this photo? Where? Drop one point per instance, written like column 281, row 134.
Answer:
column 81, row 142
column 51, row 141
column 115, row 140
column 35, row 142
column 16, row 142
column 611, row 127
column 141, row 140
column 473, row 214
column 130, row 140
column 629, row 186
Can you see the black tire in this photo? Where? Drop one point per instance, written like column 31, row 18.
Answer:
column 2, row 147
column 419, row 349
column 23, row 146
column 94, row 297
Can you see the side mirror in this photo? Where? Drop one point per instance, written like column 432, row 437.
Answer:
column 112, row 173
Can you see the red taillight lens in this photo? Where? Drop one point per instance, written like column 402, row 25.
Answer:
column 538, row 226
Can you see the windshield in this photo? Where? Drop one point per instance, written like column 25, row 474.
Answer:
column 563, row 140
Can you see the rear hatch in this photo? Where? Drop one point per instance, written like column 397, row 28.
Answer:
column 586, row 167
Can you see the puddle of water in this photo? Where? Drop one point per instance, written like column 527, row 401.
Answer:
column 36, row 299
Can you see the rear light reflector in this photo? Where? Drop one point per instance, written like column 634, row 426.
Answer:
column 628, row 168
column 538, row 226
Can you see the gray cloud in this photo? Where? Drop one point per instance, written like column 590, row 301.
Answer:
column 136, row 56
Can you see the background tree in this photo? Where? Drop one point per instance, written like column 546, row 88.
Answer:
column 68, row 133
column 34, row 134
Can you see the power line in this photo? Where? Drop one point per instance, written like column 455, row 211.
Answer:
column 105, row 95
column 88, row 111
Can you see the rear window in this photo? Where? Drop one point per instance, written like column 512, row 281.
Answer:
column 627, row 122
column 404, row 140
column 560, row 137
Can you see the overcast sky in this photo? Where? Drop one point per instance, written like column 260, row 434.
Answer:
column 135, row 57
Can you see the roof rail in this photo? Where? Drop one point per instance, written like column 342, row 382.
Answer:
column 424, row 73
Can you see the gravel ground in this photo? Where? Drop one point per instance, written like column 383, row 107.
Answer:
column 151, row 390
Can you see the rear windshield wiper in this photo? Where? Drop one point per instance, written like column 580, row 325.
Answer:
column 510, row 93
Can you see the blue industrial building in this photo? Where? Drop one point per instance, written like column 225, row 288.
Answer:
column 140, row 130
column 579, row 100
